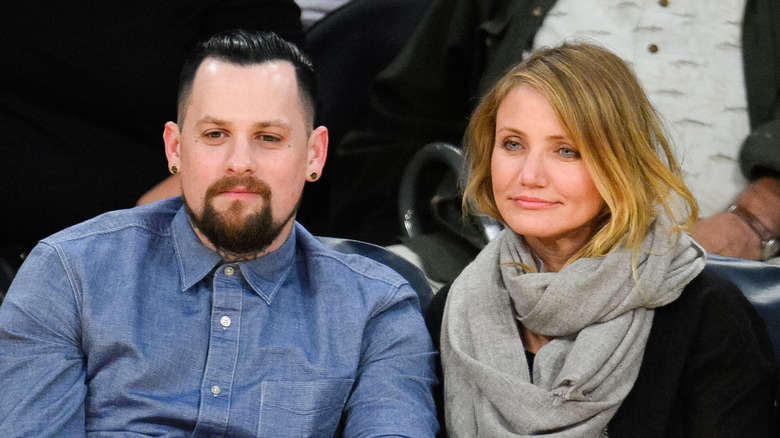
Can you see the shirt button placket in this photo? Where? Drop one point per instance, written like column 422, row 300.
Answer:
column 216, row 386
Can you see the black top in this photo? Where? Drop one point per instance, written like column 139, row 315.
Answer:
column 85, row 91
column 708, row 370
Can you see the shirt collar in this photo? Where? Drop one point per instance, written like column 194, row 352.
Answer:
column 195, row 259
column 265, row 274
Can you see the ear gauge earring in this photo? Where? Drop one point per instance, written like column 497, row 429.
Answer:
column 314, row 176
column 174, row 170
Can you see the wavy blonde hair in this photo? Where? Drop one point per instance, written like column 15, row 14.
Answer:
column 600, row 104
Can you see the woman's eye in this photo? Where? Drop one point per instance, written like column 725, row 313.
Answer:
column 512, row 145
column 567, row 152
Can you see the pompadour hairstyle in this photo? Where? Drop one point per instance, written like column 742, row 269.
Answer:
column 245, row 48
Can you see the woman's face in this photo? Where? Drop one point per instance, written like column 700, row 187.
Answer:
column 540, row 183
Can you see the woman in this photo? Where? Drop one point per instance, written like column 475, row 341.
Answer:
column 590, row 315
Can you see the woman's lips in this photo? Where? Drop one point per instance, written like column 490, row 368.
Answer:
column 532, row 203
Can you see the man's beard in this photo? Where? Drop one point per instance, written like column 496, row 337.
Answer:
column 234, row 236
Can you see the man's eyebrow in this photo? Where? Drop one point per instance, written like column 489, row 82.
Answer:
column 273, row 123
column 208, row 120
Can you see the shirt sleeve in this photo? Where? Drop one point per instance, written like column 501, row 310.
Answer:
column 760, row 153
column 392, row 392
column 43, row 367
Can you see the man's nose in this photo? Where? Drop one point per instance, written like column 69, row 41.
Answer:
column 240, row 160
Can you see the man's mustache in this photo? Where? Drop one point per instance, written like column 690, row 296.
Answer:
column 249, row 183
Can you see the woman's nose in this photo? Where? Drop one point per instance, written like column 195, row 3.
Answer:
column 532, row 171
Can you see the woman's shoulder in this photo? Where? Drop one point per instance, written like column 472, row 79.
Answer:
column 709, row 296
column 706, row 290
column 711, row 308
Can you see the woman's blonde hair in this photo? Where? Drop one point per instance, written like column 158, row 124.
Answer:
column 602, row 107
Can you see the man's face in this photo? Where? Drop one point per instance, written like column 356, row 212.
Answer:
column 244, row 153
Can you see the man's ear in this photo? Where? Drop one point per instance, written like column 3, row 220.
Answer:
column 318, row 152
column 171, row 137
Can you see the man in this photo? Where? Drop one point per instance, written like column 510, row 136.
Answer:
column 215, row 314
column 85, row 88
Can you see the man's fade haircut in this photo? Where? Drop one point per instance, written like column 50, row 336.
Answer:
column 248, row 47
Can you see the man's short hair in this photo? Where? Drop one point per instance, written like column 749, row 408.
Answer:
column 248, row 47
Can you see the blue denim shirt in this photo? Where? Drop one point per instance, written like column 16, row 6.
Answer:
column 127, row 325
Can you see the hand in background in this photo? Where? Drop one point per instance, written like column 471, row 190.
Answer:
column 727, row 234
column 170, row 186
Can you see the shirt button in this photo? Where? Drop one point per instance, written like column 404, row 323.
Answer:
column 537, row 11
column 225, row 321
column 229, row 271
column 652, row 48
column 664, row 3
column 216, row 390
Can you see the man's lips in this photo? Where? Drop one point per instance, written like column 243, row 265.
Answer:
column 239, row 192
column 532, row 203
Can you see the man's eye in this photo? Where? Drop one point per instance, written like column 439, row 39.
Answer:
column 214, row 135
column 267, row 137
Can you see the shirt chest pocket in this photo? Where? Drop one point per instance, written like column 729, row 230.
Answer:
column 310, row 408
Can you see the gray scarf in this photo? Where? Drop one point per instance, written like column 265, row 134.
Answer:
column 601, row 319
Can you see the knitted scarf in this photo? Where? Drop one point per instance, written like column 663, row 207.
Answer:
column 600, row 317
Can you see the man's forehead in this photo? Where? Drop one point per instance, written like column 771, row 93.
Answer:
column 216, row 79
column 276, row 69
column 225, row 90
